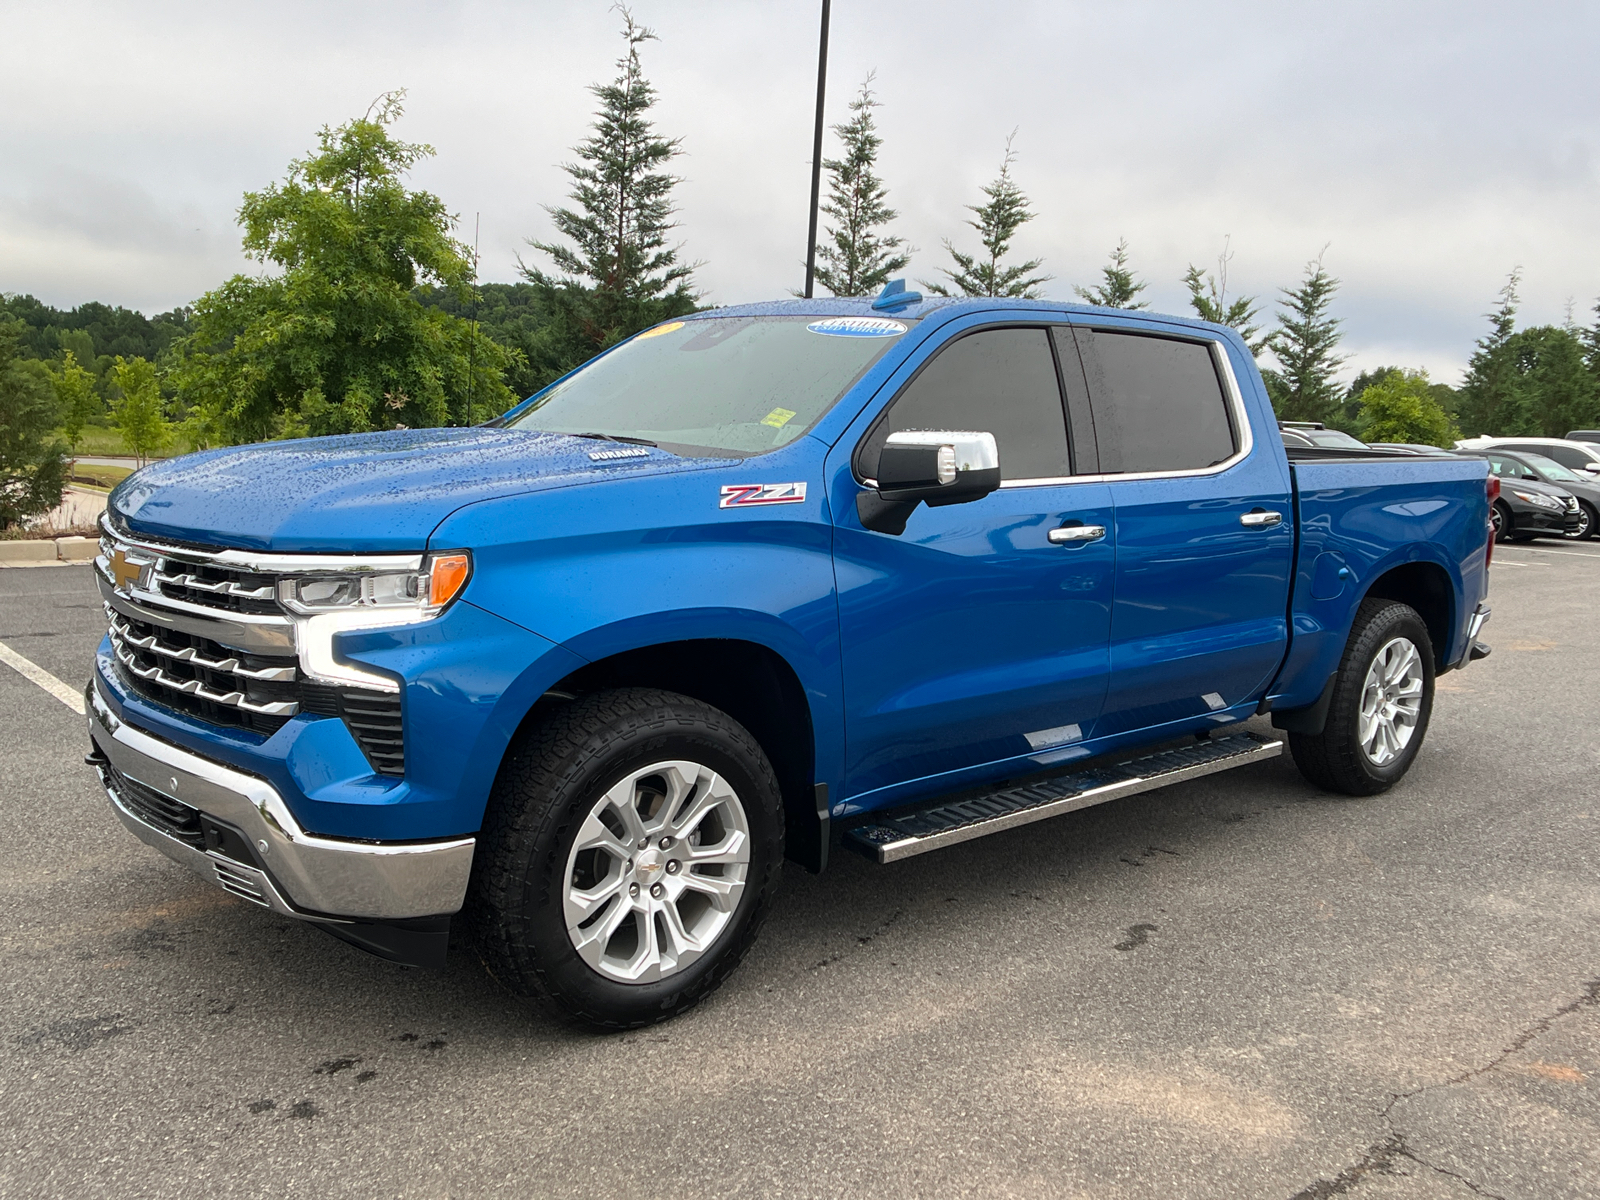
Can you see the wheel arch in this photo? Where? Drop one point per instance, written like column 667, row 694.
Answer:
column 749, row 681
column 1427, row 587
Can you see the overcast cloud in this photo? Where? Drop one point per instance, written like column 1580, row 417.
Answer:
column 1430, row 147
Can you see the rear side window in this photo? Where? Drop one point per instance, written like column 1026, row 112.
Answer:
column 999, row 381
column 1567, row 456
column 1158, row 404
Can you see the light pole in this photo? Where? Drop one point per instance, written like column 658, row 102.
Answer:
column 816, row 151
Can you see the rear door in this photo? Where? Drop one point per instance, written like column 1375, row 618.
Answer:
column 1204, row 528
column 972, row 639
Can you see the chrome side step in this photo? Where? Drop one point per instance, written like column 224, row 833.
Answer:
column 946, row 824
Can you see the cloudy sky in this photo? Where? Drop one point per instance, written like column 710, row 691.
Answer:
column 1430, row 147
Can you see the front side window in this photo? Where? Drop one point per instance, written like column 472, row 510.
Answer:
column 717, row 385
column 1160, row 405
column 999, row 381
column 1550, row 469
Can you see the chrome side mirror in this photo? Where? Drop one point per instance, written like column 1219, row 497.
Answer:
column 936, row 466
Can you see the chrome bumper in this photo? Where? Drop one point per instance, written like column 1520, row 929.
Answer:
column 309, row 877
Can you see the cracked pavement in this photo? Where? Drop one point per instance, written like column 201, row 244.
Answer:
column 1234, row 987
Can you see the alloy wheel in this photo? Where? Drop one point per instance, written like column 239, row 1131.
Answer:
column 1391, row 701
column 656, row 871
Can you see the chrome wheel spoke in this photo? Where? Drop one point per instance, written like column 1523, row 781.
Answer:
column 1391, row 701
column 639, row 904
column 721, row 889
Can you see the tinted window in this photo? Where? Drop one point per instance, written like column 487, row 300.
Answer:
column 1567, row 456
column 999, row 381
column 1159, row 405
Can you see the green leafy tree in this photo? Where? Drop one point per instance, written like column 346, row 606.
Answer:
column 1401, row 407
column 856, row 257
column 997, row 223
column 1208, row 295
column 1493, row 395
column 32, row 460
column 1118, row 288
column 337, row 342
column 76, row 398
column 1305, row 344
column 619, row 274
column 1558, row 389
column 137, row 409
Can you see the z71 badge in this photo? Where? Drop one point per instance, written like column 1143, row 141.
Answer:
column 746, row 495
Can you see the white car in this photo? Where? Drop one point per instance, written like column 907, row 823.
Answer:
column 1575, row 456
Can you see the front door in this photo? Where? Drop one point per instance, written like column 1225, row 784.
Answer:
column 973, row 639
column 1204, row 529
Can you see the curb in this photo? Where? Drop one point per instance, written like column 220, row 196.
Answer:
column 48, row 552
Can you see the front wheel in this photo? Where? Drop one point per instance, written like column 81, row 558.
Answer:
column 1584, row 529
column 1500, row 522
column 1382, row 699
column 632, row 842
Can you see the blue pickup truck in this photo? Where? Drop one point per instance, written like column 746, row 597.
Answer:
column 884, row 575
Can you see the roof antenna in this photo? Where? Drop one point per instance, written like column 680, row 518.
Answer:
column 894, row 295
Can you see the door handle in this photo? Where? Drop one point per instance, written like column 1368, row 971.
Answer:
column 1260, row 519
column 1068, row 534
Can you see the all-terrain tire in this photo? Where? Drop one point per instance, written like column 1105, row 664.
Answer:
column 1335, row 758
column 553, row 775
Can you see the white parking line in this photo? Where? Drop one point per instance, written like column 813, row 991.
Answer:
column 43, row 678
column 1559, row 553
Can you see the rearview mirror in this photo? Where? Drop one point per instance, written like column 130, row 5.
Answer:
column 936, row 466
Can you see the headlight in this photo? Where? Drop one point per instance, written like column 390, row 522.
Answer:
column 335, row 602
column 404, row 595
column 1538, row 501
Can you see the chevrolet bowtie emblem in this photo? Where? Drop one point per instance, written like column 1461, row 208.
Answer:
column 124, row 572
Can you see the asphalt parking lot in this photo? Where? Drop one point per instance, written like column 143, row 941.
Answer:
column 1236, row 987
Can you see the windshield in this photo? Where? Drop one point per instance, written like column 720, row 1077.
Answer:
column 1331, row 437
column 717, row 385
column 1550, row 468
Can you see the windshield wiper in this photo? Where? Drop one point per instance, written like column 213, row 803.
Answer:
column 616, row 437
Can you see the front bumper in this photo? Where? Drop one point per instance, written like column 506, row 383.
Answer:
column 270, row 860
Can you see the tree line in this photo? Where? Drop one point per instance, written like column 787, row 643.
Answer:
column 373, row 317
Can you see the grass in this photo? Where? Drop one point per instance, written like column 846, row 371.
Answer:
column 100, row 477
column 101, row 441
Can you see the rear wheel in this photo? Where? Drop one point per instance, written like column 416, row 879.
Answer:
column 1587, row 520
column 632, row 843
column 1382, row 699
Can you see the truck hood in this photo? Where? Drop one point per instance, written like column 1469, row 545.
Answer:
column 364, row 492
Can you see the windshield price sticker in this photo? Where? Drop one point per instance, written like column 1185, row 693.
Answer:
column 869, row 327
column 749, row 495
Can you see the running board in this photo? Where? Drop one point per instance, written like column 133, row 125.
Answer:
column 946, row 824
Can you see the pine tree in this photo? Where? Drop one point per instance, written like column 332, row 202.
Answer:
column 1119, row 288
column 997, row 223
column 1305, row 345
column 1208, row 293
column 620, row 275
column 1559, row 392
column 1493, row 398
column 855, row 258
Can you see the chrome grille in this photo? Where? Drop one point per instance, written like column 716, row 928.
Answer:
column 158, row 625
column 203, row 678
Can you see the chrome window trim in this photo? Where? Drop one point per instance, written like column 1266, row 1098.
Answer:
column 1236, row 409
